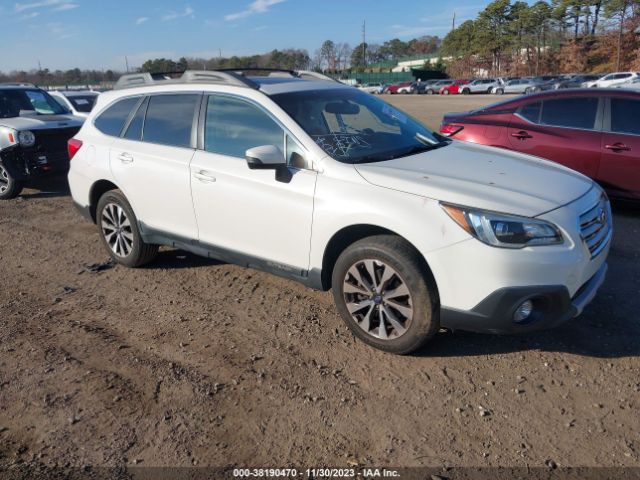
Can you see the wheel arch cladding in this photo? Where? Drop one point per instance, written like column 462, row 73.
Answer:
column 97, row 190
column 351, row 234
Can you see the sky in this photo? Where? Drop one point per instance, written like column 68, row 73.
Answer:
column 99, row 34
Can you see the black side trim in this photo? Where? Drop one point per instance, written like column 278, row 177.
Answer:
column 551, row 307
column 310, row 279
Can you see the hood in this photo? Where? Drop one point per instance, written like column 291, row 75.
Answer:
column 481, row 177
column 40, row 122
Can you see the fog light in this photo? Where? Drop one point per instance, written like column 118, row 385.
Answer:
column 523, row 312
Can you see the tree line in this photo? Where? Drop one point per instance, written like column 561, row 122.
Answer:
column 560, row 36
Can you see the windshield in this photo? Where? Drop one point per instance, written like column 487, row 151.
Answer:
column 13, row 103
column 82, row 103
column 355, row 127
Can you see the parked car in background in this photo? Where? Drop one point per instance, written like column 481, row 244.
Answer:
column 518, row 85
column 339, row 190
column 632, row 85
column 374, row 88
column 453, row 88
column 34, row 130
column 402, row 87
column 611, row 80
column 79, row 103
column 595, row 132
column 422, row 85
column 435, row 87
column 574, row 81
column 481, row 85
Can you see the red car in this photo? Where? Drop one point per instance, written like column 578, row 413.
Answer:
column 593, row 131
column 454, row 88
column 404, row 87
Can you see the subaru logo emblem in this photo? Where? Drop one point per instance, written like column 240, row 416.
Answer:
column 602, row 216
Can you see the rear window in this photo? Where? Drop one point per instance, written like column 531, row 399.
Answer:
column 575, row 112
column 112, row 120
column 624, row 116
column 169, row 119
column 83, row 103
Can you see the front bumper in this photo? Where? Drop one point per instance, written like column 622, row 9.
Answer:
column 552, row 306
column 26, row 163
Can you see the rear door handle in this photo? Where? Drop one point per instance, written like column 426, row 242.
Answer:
column 521, row 135
column 619, row 147
column 204, row 177
column 125, row 157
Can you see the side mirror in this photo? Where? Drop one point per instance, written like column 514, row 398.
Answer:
column 265, row 157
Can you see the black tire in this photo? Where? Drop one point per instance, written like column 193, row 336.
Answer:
column 399, row 257
column 429, row 92
column 9, row 186
column 139, row 252
column 466, row 91
column 499, row 91
column 445, row 92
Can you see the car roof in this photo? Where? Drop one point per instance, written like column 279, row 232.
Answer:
column 569, row 92
column 276, row 85
column 76, row 93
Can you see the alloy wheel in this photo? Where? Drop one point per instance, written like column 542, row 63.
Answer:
column 378, row 299
column 4, row 180
column 116, row 229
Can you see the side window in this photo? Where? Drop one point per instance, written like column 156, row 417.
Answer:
column 233, row 126
column 624, row 116
column 295, row 154
column 570, row 112
column 134, row 130
column 531, row 111
column 112, row 120
column 169, row 119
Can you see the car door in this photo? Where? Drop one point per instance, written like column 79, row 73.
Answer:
column 512, row 86
column 620, row 164
column 263, row 216
column 150, row 162
column 566, row 130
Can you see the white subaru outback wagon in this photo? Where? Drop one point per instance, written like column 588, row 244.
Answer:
column 328, row 185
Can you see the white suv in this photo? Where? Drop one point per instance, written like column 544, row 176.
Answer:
column 328, row 185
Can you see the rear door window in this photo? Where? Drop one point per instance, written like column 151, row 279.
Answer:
column 112, row 120
column 624, row 116
column 574, row 112
column 169, row 119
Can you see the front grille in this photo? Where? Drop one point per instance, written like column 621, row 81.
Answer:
column 595, row 226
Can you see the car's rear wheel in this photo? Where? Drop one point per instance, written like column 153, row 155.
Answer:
column 466, row 91
column 499, row 91
column 446, row 92
column 120, row 233
column 384, row 294
column 429, row 92
column 9, row 186
column 528, row 90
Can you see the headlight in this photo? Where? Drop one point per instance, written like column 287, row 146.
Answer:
column 26, row 138
column 503, row 230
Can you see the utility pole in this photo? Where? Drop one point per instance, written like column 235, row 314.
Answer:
column 126, row 62
column 453, row 24
column 364, row 43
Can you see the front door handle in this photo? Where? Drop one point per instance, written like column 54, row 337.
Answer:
column 521, row 135
column 204, row 177
column 125, row 157
column 620, row 147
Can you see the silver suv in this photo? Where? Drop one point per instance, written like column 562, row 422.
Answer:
column 34, row 130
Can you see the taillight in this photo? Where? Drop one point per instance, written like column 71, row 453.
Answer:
column 450, row 129
column 73, row 145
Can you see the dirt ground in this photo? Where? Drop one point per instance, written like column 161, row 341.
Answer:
column 192, row 362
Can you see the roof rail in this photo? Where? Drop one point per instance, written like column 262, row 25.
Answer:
column 310, row 75
column 221, row 77
column 17, row 84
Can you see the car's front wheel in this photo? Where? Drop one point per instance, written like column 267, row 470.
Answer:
column 120, row 233
column 499, row 91
column 384, row 294
column 9, row 186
